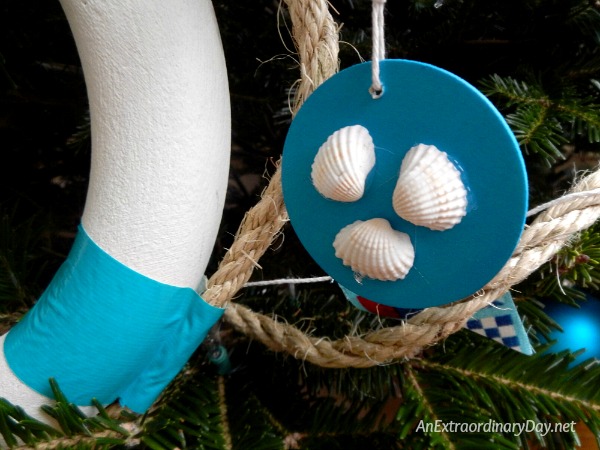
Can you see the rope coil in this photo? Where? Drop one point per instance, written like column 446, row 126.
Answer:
column 315, row 35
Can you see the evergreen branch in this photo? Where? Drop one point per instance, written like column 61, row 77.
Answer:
column 377, row 383
column 584, row 115
column 82, row 136
column 223, row 411
column 586, row 67
column 415, row 395
column 450, row 400
column 535, row 320
column 22, row 263
column 252, row 424
column 579, row 263
column 21, row 431
column 274, row 409
column 104, row 439
column 583, row 112
column 543, row 124
column 187, row 415
column 537, row 130
column 467, row 378
column 329, row 422
column 562, row 279
column 546, row 374
column 585, row 17
column 514, row 387
column 532, row 121
column 515, row 92
column 517, row 385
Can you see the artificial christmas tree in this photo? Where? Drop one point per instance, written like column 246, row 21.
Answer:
column 538, row 62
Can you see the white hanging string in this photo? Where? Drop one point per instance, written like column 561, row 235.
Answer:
column 378, row 38
column 287, row 281
column 565, row 198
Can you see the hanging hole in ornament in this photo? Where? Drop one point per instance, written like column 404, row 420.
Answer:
column 376, row 92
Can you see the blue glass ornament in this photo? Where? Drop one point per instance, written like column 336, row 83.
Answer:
column 580, row 327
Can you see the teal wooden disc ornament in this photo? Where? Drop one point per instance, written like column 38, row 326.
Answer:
column 423, row 190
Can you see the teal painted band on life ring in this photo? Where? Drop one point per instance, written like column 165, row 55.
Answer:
column 104, row 331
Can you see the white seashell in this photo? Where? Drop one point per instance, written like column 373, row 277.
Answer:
column 374, row 249
column 430, row 192
column 342, row 164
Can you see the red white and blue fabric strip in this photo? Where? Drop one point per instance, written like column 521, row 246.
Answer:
column 500, row 321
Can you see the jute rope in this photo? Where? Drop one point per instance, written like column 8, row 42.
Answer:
column 316, row 39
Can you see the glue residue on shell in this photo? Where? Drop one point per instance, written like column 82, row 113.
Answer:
column 375, row 250
column 342, row 164
column 430, row 191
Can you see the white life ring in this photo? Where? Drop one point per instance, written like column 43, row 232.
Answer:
column 160, row 114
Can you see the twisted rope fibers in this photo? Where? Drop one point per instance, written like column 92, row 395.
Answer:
column 315, row 36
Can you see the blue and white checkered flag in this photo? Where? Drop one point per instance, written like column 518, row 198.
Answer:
column 500, row 321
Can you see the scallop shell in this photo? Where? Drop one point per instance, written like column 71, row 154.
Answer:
column 374, row 249
column 430, row 192
column 342, row 164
